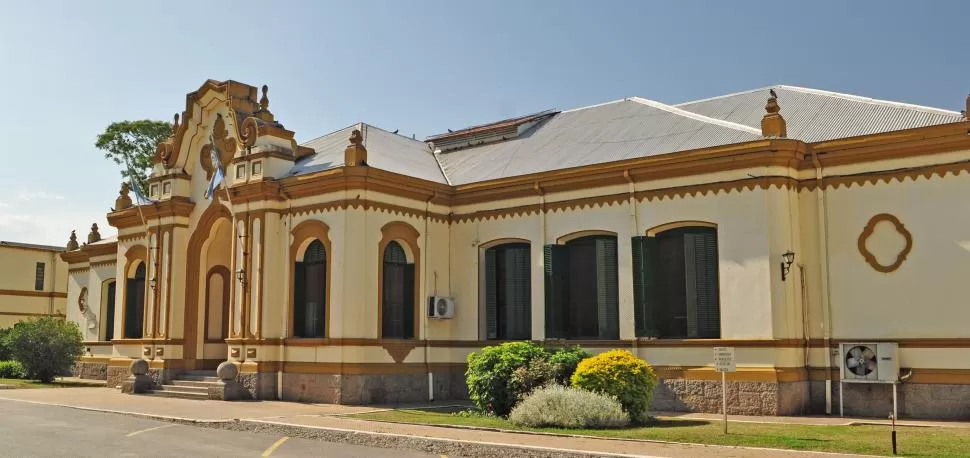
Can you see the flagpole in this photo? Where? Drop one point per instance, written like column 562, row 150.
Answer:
column 131, row 177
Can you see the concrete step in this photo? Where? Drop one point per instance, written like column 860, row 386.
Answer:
column 177, row 394
column 193, row 383
column 197, row 378
column 183, row 389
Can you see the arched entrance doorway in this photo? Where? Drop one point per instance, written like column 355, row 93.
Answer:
column 208, row 289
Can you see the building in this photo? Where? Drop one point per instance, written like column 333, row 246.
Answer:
column 780, row 222
column 33, row 282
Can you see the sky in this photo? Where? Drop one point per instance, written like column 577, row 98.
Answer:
column 68, row 69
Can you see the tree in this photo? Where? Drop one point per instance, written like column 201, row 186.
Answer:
column 133, row 143
column 46, row 347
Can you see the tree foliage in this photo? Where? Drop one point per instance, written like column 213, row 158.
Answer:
column 133, row 142
column 46, row 347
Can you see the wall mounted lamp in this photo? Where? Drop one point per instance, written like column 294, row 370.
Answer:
column 787, row 259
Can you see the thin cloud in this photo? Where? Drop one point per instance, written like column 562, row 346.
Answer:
column 38, row 195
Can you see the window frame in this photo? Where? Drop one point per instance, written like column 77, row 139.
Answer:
column 496, row 247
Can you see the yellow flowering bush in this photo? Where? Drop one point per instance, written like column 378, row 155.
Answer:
column 620, row 374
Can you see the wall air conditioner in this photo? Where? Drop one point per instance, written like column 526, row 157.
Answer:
column 869, row 362
column 440, row 307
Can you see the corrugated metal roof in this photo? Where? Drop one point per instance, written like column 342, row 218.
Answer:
column 385, row 150
column 614, row 131
column 813, row 115
column 32, row 246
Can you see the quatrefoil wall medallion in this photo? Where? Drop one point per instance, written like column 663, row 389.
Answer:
column 871, row 228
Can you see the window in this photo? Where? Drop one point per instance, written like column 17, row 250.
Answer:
column 153, row 190
column 167, row 188
column 397, row 309
column 135, row 303
column 582, row 292
column 675, row 282
column 257, row 168
column 39, row 276
column 508, row 292
column 310, row 293
column 109, row 315
column 241, row 171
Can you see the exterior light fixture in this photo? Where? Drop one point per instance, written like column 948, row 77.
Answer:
column 241, row 276
column 787, row 259
column 154, row 282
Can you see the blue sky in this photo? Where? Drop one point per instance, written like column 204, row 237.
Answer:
column 68, row 69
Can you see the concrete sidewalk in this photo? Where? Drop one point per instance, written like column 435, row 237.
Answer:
column 328, row 422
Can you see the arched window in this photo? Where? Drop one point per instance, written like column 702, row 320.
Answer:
column 397, row 309
column 675, row 281
column 582, row 292
column 135, row 304
column 108, row 310
column 508, row 292
column 310, row 293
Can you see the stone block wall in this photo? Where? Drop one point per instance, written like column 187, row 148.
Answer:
column 914, row 400
column 90, row 370
column 116, row 375
column 359, row 389
column 258, row 385
column 743, row 398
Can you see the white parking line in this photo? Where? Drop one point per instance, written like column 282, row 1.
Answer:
column 147, row 430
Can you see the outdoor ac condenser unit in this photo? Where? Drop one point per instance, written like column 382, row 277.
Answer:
column 869, row 362
column 441, row 307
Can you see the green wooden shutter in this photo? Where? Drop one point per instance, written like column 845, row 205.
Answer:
column 322, row 307
column 556, row 269
column 607, row 289
column 109, row 321
column 299, row 300
column 701, row 278
column 408, row 311
column 518, row 292
column 491, row 294
column 645, row 298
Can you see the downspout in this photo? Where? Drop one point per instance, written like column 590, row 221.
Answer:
column 635, row 230
column 50, row 302
column 542, row 240
column 287, row 226
column 427, row 260
column 823, row 249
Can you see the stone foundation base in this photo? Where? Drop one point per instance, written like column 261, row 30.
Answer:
column 258, row 385
column 116, row 375
column 743, row 398
column 90, row 370
column 372, row 389
column 915, row 401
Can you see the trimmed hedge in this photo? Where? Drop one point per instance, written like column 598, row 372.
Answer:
column 562, row 407
column 12, row 369
column 620, row 374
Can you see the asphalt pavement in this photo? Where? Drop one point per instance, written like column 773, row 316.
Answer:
column 35, row 430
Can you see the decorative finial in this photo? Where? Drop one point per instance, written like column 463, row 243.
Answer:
column 264, row 100
column 175, row 125
column 356, row 153
column 966, row 113
column 72, row 243
column 123, row 201
column 94, row 235
column 773, row 124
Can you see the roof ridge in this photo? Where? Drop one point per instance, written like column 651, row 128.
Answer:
column 593, row 106
column 329, row 133
column 732, row 94
column 860, row 98
column 695, row 116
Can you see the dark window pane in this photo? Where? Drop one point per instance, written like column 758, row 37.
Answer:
column 39, row 276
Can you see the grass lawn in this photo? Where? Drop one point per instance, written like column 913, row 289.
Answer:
column 18, row 383
column 872, row 440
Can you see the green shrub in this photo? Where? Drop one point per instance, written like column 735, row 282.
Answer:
column 564, row 361
column 12, row 369
column 47, row 347
column 4, row 350
column 563, row 407
column 620, row 374
column 489, row 375
column 526, row 379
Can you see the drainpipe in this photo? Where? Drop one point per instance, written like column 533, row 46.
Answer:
column 823, row 249
column 427, row 260
column 542, row 236
column 50, row 302
column 635, row 230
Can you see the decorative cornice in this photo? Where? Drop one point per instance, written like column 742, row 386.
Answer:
column 132, row 216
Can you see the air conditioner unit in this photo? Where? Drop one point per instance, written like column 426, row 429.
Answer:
column 869, row 362
column 440, row 307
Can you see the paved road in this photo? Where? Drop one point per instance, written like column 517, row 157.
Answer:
column 33, row 430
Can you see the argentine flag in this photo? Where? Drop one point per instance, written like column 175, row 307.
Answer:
column 218, row 176
column 140, row 198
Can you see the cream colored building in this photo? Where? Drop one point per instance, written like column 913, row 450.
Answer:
column 664, row 229
column 33, row 282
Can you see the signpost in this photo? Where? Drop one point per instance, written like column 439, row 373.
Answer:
column 724, row 363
